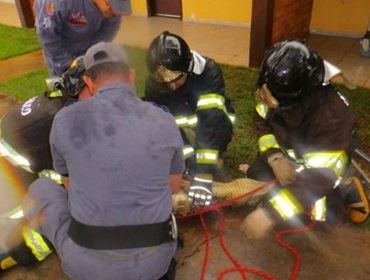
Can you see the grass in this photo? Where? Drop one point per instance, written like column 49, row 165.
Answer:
column 18, row 41
column 240, row 85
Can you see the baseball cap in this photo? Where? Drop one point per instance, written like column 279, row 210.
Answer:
column 104, row 52
column 121, row 7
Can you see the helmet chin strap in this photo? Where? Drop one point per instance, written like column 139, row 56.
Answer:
column 264, row 95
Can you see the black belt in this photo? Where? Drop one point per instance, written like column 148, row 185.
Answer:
column 122, row 237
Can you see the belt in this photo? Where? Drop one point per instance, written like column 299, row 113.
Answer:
column 124, row 236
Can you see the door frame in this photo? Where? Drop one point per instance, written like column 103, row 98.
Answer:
column 150, row 9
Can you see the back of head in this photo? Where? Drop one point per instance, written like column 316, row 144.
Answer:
column 168, row 57
column 104, row 59
column 291, row 72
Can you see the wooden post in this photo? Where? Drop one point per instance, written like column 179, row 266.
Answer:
column 261, row 30
column 24, row 8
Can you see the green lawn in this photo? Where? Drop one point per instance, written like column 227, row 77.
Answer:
column 240, row 84
column 16, row 41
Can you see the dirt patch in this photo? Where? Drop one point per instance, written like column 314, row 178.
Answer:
column 327, row 253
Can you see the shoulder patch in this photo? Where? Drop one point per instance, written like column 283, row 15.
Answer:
column 27, row 106
column 77, row 18
column 50, row 8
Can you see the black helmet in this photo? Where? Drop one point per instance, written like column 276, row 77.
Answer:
column 291, row 71
column 168, row 57
column 72, row 81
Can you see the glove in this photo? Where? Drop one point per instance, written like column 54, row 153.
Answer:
column 200, row 191
column 284, row 169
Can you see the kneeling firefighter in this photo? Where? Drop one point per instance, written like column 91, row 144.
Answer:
column 25, row 152
column 305, row 131
column 192, row 87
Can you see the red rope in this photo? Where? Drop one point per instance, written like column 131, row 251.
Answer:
column 243, row 270
column 206, row 250
column 297, row 257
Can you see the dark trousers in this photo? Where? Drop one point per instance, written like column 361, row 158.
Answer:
column 171, row 272
column 311, row 185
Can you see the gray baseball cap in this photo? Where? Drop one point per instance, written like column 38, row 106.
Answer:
column 121, row 7
column 104, row 52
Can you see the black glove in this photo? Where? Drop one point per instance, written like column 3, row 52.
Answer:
column 200, row 192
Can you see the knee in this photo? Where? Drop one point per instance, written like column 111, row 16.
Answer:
column 44, row 186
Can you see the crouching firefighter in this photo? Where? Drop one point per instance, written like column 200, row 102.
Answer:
column 192, row 87
column 305, row 129
column 25, row 153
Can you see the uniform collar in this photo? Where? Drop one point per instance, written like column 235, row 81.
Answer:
column 117, row 86
column 199, row 63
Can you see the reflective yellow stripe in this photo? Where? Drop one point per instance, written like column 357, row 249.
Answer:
column 335, row 160
column 207, row 156
column 7, row 151
column 185, row 121
column 262, row 110
column 188, row 151
column 16, row 213
column 211, row 100
column 51, row 174
column 36, row 243
column 55, row 93
column 319, row 210
column 181, row 121
column 267, row 141
column 7, row 263
column 214, row 100
column 285, row 203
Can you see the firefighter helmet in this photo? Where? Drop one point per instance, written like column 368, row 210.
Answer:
column 72, row 81
column 168, row 57
column 291, row 71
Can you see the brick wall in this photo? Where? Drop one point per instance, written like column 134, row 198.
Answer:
column 291, row 19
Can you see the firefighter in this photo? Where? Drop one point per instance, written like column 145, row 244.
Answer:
column 66, row 29
column 25, row 150
column 305, row 130
column 191, row 86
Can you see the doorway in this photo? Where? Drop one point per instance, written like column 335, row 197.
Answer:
column 165, row 8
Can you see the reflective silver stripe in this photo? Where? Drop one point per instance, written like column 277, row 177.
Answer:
column 36, row 243
column 184, row 121
column 291, row 153
column 214, row 100
column 266, row 142
column 285, row 203
column 232, row 117
column 262, row 110
column 51, row 174
column 14, row 214
column 211, row 100
column 335, row 160
column 319, row 210
column 207, row 156
column 192, row 120
column 16, row 159
column 188, row 151
column 181, row 120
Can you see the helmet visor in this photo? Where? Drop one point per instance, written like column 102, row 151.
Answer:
column 164, row 75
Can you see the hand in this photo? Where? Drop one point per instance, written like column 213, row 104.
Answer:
column 284, row 169
column 200, row 191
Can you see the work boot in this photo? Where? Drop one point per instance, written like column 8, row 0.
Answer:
column 356, row 199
